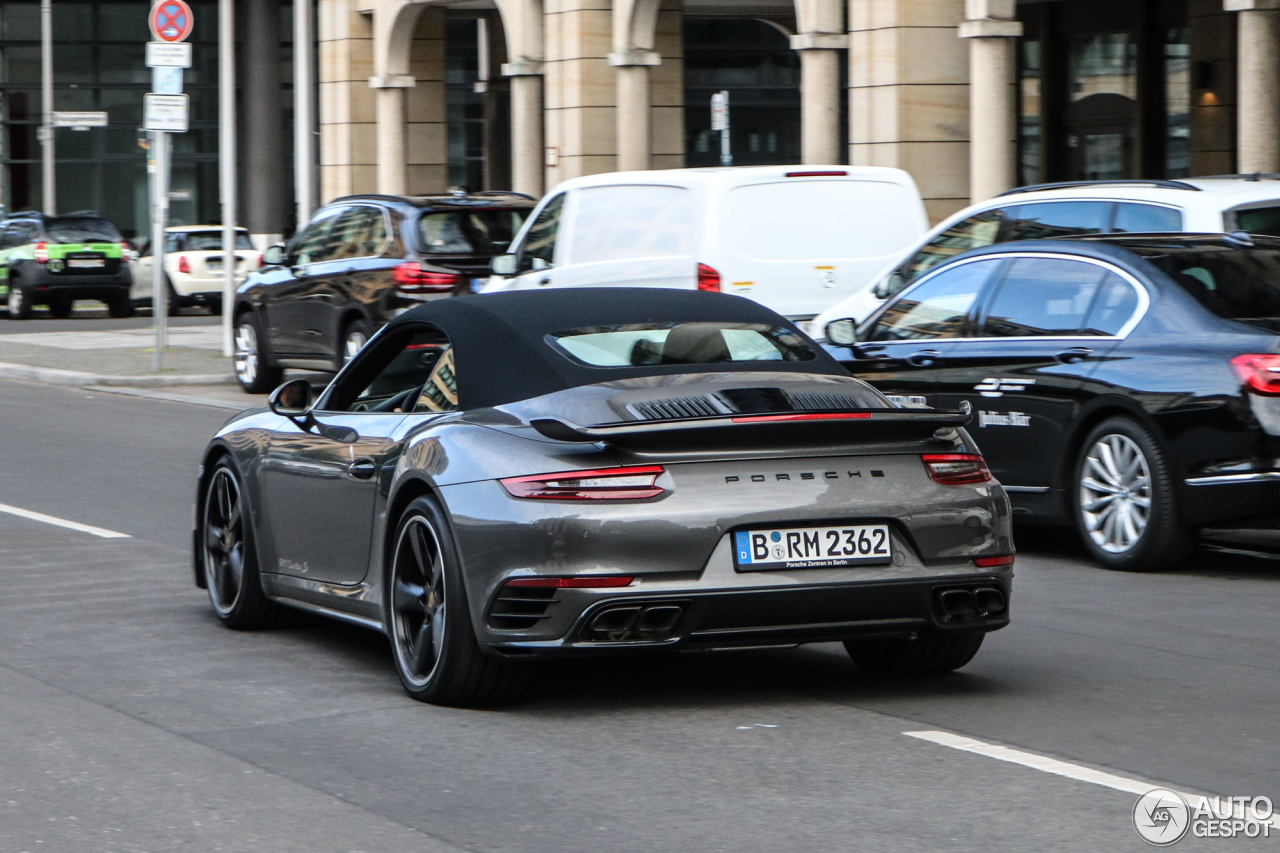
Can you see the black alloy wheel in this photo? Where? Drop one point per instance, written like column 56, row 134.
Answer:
column 252, row 371
column 928, row 654
column 229, row 560
column 20, row 306
column 1124, row 501
column 60, row 307
column 432, row 639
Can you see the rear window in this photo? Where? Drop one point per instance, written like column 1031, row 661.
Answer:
column 80, row 229
column 638, row 345
column 1259, row 220
column 820, row 220
column 206, row 241
column 1238, row 284
column 468, row 232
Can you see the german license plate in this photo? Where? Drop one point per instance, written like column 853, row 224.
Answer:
column 811, row 547
column 85, row 263
column 213, row 265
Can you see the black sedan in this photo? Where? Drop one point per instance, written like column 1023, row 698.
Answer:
column 359, row 262
column 515, row 476
column 1128, row 385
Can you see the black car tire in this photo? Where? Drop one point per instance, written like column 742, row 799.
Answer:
column 354, row 336
column 173, row 302
column 22, row 297
column 215, row 306
column 253, row 371
column 60, row 307
column 227, row 554
column 1162, row 541
column 929, row 654
column 429, row 622
column 120, row 306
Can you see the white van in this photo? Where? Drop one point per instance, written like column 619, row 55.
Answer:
column 795, row 238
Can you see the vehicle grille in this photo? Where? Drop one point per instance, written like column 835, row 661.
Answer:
column 810, row 400
column 520, row 607
column 676, row 407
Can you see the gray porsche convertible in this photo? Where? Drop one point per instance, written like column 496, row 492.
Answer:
column 503, row 478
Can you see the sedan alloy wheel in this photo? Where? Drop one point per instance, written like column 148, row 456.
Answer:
column 1115, row 493
column 246, row 353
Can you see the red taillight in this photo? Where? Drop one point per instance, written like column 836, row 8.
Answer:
column 804, row 416
column 124, row 247
column 1259, row 373
column 42, row 253
column 990, row 562
column 817, row 174
column 602, row 484
column 956, row 469
column 573, row 583
column 708, row 279
column 410, row 278
column 183, row 265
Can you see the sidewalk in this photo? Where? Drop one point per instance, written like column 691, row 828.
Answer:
column 116, row 358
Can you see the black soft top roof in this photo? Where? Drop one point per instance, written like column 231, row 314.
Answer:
column 501, row 354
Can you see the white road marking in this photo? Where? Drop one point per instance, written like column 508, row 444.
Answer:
column 1065, row 768
column 62, row 522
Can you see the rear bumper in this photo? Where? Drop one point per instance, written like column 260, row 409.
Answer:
column 78, row 287
column 724, row 619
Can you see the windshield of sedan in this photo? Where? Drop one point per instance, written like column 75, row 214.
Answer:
column 637, row 345
column 80, row 229
column 469, row 232
column 1238, row 284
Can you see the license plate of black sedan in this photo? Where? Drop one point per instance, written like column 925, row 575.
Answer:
column 811, row 547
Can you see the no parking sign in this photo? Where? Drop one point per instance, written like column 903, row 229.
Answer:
column 171, row 20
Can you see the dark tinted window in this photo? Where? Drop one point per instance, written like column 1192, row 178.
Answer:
column 937, row 308
column 1259, row 220
column 472, row 232
column 1050, row 219
column 310, row 244
column 1043, row 296
column 81, row 229
column 976, row 232
column 412, row 372
column 1146, row 218
column 1113, row 307
column 1239, row 284
column 360, row 232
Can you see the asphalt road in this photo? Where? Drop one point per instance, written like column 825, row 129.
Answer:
column 130, row 720
column 92, row 317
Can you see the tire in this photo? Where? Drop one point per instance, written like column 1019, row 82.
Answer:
column 429, row 624
column 227, row 554
column 354, row 336
column 172, row 301
column 20, row 306
column 120, row 306
column 256, row 376
column 1119, row 469
column 215, row 307
column 930, row 654
column 60, row 307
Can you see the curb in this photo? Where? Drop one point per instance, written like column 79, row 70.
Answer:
column 55, row 376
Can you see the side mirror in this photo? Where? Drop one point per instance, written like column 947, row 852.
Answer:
column 503, row 265
column 842, row 333
column 273, row 256
column 292, row 399
column 891, row 285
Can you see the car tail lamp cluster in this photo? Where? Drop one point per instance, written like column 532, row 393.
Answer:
column 578, row 582
column 956, row 469
column 603, row 484
column 1259, row 373
column 184, row 266
column 992, row 562
column 411, row 278
column 124, row 248
column 42, row 253
column 708, row 278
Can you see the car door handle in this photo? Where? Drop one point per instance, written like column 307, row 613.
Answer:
column 362, row 469
column 1075, row 355
column 924, row 358
column 545, row 280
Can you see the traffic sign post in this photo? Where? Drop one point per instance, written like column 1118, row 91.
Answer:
column 720, row 122
column 165, row 110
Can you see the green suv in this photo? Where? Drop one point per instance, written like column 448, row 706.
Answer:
column 54, row 260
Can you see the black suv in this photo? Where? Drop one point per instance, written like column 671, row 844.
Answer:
column 360, row 261
column 54, row 260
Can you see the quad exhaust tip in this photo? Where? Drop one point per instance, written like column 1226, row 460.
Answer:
column 634, row 623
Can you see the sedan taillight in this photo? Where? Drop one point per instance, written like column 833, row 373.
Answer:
column 601, row 484
column 410, row 278
column 708, row 278
column 956, row 469
column 1259, row 373
column 42, row 253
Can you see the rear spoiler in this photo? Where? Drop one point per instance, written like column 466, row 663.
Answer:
column 783, row 429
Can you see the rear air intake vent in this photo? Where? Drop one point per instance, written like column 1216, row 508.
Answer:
column 808, row 400
column 676, row 407
column 521, row 607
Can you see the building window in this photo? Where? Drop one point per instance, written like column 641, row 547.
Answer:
column 1029, row 111
column 1177, row 102
column 1101, row 115
column 465, row 106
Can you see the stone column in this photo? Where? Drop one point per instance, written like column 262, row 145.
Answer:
column 263, row 131
column 526, row 126
column 635, row 129
column 991, row 30
column 1258, row 85
column 389, row 95
column 819, row 96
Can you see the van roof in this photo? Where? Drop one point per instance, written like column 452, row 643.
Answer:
column 729, row 176
column 1218, row 191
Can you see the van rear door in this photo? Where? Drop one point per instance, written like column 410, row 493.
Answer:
column 803, row 243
